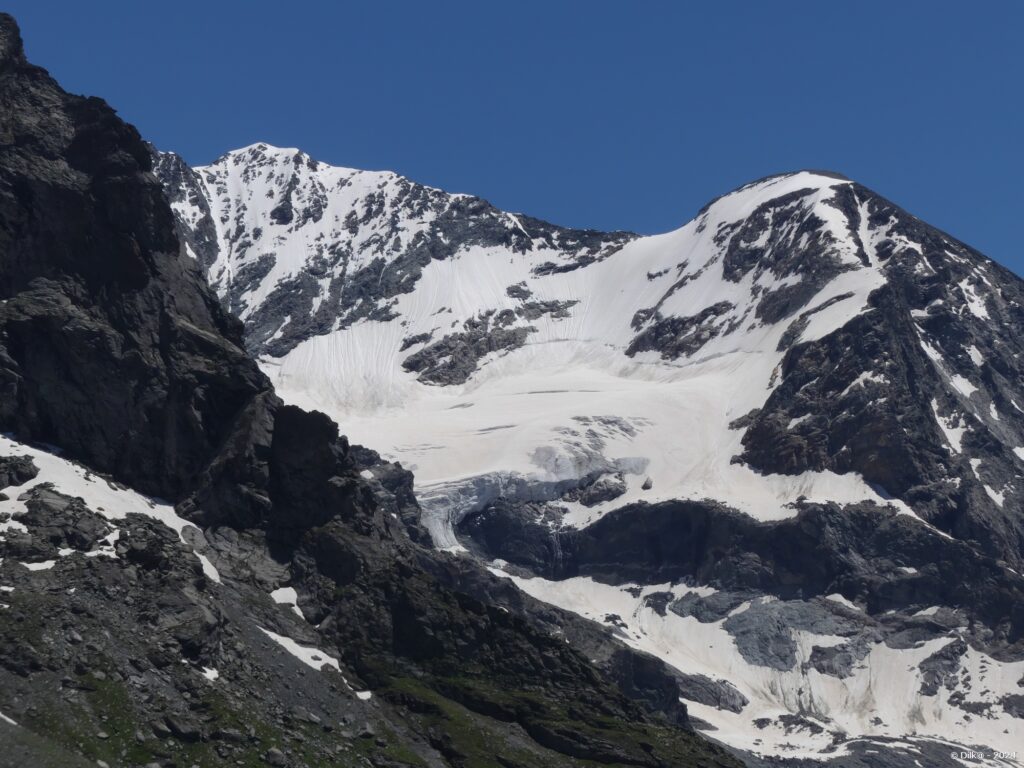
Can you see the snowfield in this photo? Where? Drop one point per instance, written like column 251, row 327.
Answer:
column 518, row 421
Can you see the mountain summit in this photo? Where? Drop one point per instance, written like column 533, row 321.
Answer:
column 779, row 448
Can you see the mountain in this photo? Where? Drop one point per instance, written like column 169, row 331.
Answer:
column 779, row 449
column 193, row 572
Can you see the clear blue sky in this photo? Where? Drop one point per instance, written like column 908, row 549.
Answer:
column 623, row 115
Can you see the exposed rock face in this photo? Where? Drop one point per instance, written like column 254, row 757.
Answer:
column 716, row 693
column 281, row 612
column 453, row 359
column 832, row 592
column 603, row 489
column 859, row 551
column 111, row 345
column 676, row 336
column 16, row 470
column 184, row 188
column 875, row 396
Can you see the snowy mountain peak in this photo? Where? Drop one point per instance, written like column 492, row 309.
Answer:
column 366, row 293
column 777, row 185
column 300, row 248
column 281, row 164
column 261, row 152
column 802, row 347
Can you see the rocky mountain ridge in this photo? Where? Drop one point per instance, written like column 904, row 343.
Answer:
column 354, row 239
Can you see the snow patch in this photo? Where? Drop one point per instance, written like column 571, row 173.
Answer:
column 975, row 303
column 864, row 378
column 208, row 570
column 288, row 596
column 997, row 496
column 960, row 383
column 308, row 655
column 798, row 421
column 107, row 499
column 837, row 598
column 43, row 565
column 952, row 427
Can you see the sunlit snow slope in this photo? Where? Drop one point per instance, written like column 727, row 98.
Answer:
column 581, row 392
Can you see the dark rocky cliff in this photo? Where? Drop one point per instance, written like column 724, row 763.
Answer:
column 112, row 347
